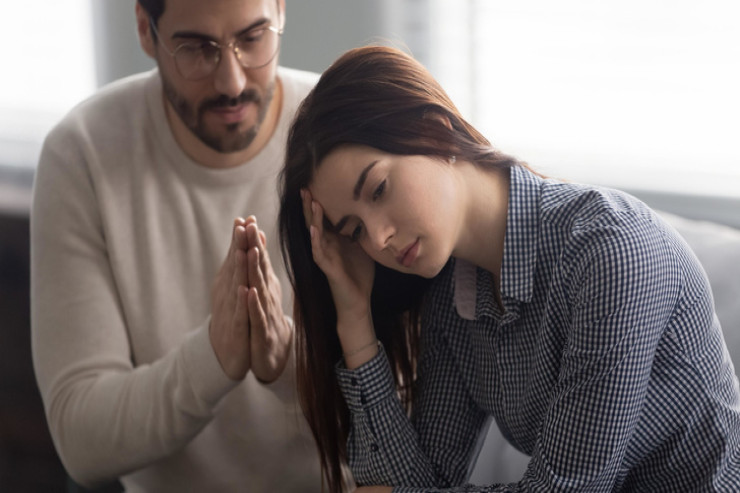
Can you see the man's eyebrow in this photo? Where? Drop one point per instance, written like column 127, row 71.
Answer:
column 205, row 37
column 361, row 180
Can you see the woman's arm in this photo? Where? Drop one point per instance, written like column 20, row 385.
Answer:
column 384, row 447
column 434, row 448
column 622, row 292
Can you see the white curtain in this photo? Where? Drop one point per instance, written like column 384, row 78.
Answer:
column 640, row 94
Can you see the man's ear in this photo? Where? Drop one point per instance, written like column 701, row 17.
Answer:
column 281, row 3
column 146, row 37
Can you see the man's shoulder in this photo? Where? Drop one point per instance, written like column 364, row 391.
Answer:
column 105, row 121
column 111, row 103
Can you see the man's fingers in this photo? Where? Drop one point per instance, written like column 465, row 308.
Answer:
column 264, row 256
column 240, row 323
column 253, row 235
column 256, row 275
column 229, row 259
column 240, row 276
column 258, row 240
column 240, row 239
column 257, row 317
column 263, row 237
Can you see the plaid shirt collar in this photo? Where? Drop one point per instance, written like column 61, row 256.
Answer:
column 473, row 287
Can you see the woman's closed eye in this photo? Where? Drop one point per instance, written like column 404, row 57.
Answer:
column 355, row 235
column 377, row 194
column 379, row 190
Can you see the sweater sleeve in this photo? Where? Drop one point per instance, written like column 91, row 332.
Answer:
column 106, row 416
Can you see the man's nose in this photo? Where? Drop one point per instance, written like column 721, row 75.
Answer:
column 230, row 77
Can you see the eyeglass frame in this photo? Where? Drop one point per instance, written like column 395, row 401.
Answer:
column 231, row 45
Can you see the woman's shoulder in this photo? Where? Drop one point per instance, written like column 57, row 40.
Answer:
column 582, row 207
column 610, row 227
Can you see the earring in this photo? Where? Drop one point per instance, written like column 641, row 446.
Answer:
column 453, row 159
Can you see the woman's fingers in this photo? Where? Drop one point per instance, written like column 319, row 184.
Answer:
column 317, row 234
column 327, row 247
column 306, row 199
column 324, row 244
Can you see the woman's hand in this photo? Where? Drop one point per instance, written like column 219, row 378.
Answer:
column 349, row 270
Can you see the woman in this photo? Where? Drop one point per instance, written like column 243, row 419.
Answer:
column 572, row 314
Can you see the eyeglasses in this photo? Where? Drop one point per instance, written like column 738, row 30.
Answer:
column 197, row 60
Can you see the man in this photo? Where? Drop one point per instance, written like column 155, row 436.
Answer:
column 159, row 340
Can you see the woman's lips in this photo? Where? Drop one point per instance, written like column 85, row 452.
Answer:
column 409, row 254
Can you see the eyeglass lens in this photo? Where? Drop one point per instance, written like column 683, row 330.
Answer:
column 254, row 49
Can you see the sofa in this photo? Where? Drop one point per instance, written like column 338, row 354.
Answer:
column 718, row 249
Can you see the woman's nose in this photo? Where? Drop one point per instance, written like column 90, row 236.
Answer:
column 379, row 234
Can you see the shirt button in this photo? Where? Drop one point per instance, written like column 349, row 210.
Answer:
column 374, row 447
column 353, row 381
column 363, row 400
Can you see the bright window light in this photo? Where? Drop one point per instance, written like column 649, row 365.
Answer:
column 639, row 94
column 49, row 67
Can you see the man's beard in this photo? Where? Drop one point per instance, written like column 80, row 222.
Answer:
column 231, row 140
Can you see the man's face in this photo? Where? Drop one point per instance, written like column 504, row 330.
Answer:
column 225, row 109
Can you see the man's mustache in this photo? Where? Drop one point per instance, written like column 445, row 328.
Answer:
column 223, row 101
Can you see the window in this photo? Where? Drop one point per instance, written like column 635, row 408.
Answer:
column 48, row 68
column 638, row 94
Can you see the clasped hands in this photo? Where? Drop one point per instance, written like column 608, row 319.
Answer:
column 248, row 328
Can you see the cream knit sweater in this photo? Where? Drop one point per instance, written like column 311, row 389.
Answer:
column 127, row 236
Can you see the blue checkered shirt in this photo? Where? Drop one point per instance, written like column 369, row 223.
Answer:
column 607, row 365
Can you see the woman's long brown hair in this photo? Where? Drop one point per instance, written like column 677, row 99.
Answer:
column 382, row 98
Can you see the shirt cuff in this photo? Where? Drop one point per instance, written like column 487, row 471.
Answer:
column 368, row 384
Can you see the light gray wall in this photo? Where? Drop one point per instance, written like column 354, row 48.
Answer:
column 117, row 50
column 318, row 31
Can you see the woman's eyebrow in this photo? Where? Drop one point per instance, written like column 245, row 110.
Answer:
column 361, row 180
column 355, row 195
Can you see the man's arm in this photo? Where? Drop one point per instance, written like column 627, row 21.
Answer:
column 106, row 416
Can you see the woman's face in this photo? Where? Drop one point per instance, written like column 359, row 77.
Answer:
column 405, row 211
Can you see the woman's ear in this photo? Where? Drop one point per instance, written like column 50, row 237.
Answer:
column 439, row 116
column 143, row 27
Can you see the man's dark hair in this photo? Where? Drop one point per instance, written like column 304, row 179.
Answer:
column 154, row 8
